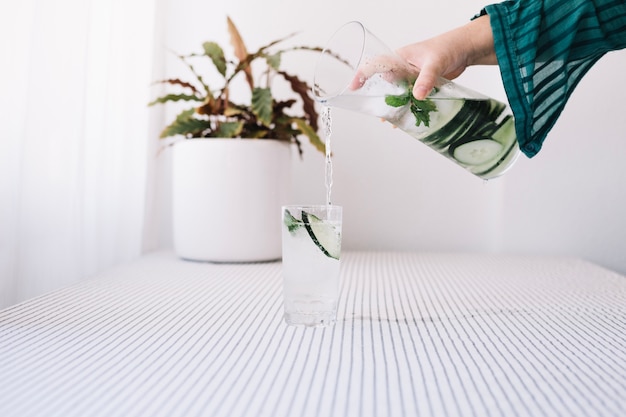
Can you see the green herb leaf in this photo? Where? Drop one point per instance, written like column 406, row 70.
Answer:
column 421, row 110
column 291, row 222
column 398, row 101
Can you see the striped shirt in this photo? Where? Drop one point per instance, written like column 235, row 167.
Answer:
column 544, row 48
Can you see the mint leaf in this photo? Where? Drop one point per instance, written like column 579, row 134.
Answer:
column 291, row 222
column 421, row 110
column 397, row 101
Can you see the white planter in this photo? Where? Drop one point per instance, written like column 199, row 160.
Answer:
column 227, row 195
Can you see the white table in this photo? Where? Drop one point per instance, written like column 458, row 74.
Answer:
column 419, row 334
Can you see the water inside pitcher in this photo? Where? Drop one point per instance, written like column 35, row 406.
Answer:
column 358, row 72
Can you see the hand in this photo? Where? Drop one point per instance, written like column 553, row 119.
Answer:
column 391, row 68
column 449, row 54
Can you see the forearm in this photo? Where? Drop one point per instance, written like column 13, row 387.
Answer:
column 478, row 33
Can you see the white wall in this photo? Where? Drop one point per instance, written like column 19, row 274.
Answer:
column 397, row 193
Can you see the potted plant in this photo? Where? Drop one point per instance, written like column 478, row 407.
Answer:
column 232, row 172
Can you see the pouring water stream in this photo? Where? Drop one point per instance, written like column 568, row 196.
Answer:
column 327, row 122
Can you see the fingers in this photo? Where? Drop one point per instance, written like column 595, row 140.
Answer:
column 391, row 69
column 421, row 56
column 365, row 70
column 358, row 81
column 424, row 83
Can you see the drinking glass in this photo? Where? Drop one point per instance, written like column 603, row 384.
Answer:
column 311, row 239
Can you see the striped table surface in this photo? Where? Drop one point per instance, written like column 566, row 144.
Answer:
column 418, row 334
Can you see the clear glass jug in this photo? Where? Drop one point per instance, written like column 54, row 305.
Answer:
column 356, row 71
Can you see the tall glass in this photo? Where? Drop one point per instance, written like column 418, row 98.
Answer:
column 356, row 71
column 311, row 240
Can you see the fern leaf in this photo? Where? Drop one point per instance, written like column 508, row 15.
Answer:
column 216, row 53
column 262, row 105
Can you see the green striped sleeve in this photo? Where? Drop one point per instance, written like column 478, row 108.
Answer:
column 544, row 48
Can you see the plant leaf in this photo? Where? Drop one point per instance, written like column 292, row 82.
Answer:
column 308, row 131
column 262, row 105
column 262, row 49
column 207, row 89
column 421, row 110
column 273, row 61
column 177, row 81
column 240, row 50
column 308, row 104
column 280, row 106
column 229, row 129
column 186, row 124
column 174, row 98
column 292, row 223
column 216, row 53
column 397, row 101
column 231, row 111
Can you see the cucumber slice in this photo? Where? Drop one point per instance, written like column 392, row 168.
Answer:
column 495, row 167
column 506, row 131
column 463, row 124
column 496, row 108
column 477, row 152
column 325, row 236
column 455, row 126
column 506, row 136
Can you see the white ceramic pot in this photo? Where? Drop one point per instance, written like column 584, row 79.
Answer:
column 227, row 195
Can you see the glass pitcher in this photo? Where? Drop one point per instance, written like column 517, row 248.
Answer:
column 356, row 71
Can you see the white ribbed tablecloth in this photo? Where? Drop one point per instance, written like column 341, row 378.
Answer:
column 418, row 334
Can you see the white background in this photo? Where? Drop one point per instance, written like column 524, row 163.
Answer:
column 397, row 193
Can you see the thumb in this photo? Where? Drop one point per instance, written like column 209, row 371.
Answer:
column 425, row 82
